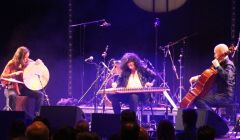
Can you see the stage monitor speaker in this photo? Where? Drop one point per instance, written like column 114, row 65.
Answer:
column 105, row 125
column 59, row 116
column 8, row 118
column 205, row 117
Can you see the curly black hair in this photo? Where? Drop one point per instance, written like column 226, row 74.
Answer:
column 130, row 57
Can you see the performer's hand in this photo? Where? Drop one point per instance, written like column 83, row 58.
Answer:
column 18, row 73
column 114, row 85
column 193, row 79
column 148, row 84
column 215, row 63
column 39, row 61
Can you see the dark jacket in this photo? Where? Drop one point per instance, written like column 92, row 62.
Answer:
column 145, row 75
column 225, row 80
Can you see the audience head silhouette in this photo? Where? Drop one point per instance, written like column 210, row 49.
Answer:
column 130, row 131
column 165, row 130
column 189, row 117
column 37, row 131
column 205, row 133
column 128, row 116
column 82, row 126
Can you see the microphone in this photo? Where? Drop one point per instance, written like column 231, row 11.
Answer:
column 157, row 22
column 89, row 59
column 105, row 24
column 104, row 54
column 148, row 63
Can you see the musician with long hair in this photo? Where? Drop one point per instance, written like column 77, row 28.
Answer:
column 134, row 74
column 14, row 70
column 223, row 93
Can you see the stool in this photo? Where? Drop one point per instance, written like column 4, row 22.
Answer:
column 21, row 103
column 230, row 111
column 7, row 106
column 26, row 104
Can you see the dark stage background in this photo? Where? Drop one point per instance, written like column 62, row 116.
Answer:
column 42, row 26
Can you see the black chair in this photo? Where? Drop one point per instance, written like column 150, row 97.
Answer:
column 228, row 112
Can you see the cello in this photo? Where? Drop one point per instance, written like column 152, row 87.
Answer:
column 203, row 84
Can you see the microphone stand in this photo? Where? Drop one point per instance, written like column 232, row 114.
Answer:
column 156, row 25
column 104, row 55
column 88, row 23
column 103, row 87
column 93, row 83
column 178, row 92
column 167, row 51
column 164, row 83
column 45, row 96
column 82, row 49
column 173, row 65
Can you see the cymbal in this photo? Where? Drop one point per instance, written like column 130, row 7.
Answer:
column 11, row 80
column 36, row 76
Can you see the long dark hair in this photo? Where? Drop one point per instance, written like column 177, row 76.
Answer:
column 19, row 55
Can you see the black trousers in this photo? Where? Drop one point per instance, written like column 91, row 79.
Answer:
column 133, row 100
column 213, row 100
column 37, row 96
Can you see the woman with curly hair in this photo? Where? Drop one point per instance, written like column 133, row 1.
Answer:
column 134, row 74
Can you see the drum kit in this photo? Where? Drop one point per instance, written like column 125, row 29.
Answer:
column 35, row 78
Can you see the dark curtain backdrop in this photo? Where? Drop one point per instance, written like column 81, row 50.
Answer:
column 43, row 27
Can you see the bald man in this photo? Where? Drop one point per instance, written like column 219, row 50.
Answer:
column 222, row 94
